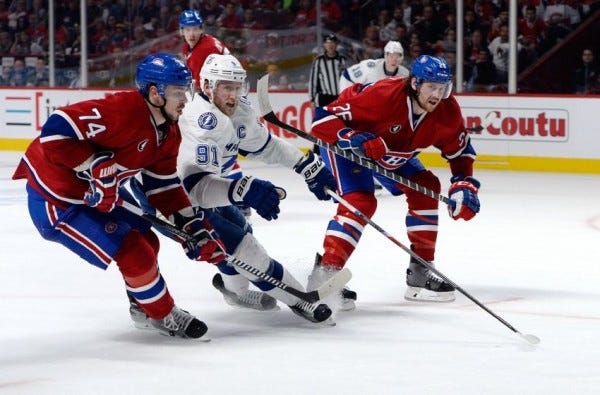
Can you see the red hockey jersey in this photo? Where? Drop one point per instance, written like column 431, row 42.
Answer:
column 121, row 124
column 385, row 109
column 195, row 57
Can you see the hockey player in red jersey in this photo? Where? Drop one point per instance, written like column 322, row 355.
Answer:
column 419, row 112
column 75, row 170
column 197, row 44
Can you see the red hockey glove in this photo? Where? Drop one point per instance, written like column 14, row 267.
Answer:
column 206, row 244
column 104, row 188
column 365, row 144
column 463, row 193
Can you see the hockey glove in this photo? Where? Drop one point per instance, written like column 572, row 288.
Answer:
column 365, row 144
column 259, row 194
column 317, row 176
column 104, row 189
column 463, row 192
column 206, row 244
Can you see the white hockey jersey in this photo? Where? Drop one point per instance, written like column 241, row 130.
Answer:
column 368, row 71
column 210, row 145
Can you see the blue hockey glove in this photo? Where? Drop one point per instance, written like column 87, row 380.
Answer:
column 206, row 246
column 317, row 176
column 365, row 144
column 104, row 189
column 259, row 194
column 463, row 192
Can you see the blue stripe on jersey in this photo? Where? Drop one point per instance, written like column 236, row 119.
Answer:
column 190, row 181
column 228, row 163
column 147, row 295
column 57, row 125
column 275, row 270
column 344, row 230
column 321, row 113
column 151, row 184
column 258, row 151
column 430, row 220
column 467, row 151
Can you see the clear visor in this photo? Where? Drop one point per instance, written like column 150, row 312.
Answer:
column 237, row 88
column 440, row 90
column 179, row 93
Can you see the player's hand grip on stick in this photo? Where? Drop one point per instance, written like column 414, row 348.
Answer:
column 204, row 243
column 259, row 194
column 463, row 192
column 317, row 176
column 104, row 187
column 365, row 144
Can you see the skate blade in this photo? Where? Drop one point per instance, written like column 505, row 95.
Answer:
column 417, row 294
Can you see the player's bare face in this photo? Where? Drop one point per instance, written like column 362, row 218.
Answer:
column 192, row 35
column 430, row 94
column 226, row 96
column 175, row 101
column 393, row 60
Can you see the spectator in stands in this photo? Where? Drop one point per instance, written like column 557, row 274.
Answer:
column 19, row 76
column 556, row 32
column 372, row 45
column 305, row 15
column 558, row 10
column 331, row 15
column 499, row 47
column 483, row 73
column 40, row 75
column 428, row 26
column 532, row 30
column 586, row 78
column 229, row 20
column 250, row 22
column 389, row 32
column 5, row 43
column 22, row 44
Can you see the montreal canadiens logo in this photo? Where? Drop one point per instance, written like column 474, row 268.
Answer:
column 207, row 121
column 142, row 144
column 395, row 129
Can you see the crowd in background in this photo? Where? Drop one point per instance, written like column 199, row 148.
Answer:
column 124, row 27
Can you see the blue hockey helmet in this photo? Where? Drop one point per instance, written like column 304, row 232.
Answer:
column 432, row 69
column 190, row 18
column 160, row 70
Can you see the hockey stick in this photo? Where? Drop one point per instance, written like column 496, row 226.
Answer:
column 531, row 339
column 262, row 90
column 335, row 283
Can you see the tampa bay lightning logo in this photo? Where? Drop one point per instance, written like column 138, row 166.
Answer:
column 241, row 132
column 207, row 121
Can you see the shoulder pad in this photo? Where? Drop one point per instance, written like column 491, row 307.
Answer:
column 371, row 63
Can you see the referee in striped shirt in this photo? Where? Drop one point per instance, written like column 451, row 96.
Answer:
column 325, row 72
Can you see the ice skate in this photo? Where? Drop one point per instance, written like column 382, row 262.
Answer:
column 425, row 286
column 255, row 300
column 318, row 313
column 180, row 323
column 139, row 317
column 344, row 300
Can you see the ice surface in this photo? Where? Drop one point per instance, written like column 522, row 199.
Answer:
column 532, row 256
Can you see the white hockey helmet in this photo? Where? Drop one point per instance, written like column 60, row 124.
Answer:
column 219, row 67
column 393, row 47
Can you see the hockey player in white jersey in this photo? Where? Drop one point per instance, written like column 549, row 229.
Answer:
column 371, row 70
column 216, row 125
